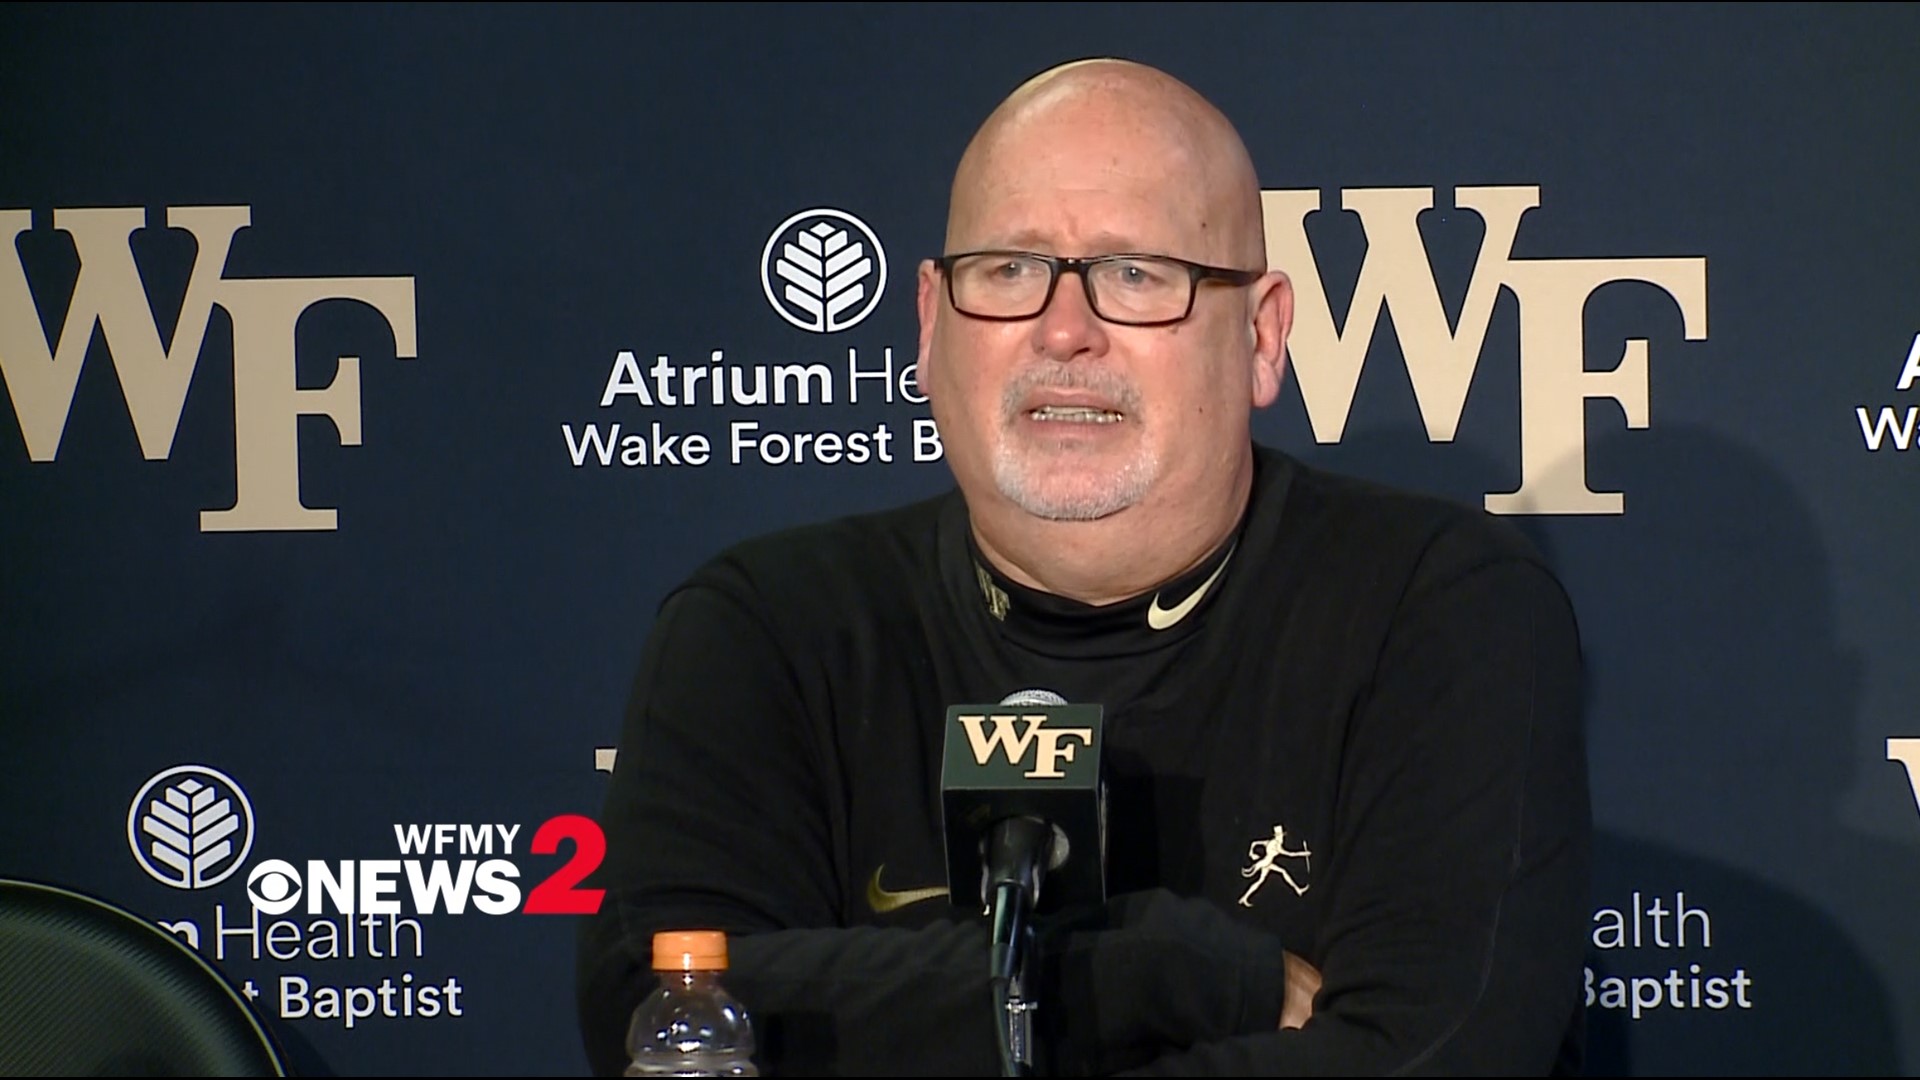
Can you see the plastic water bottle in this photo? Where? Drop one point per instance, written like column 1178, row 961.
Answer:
column 690, row 1025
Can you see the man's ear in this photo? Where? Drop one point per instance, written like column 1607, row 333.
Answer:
column 1271, row 322
column 927, row 303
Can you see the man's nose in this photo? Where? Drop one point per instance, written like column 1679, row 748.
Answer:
column 1067, row 327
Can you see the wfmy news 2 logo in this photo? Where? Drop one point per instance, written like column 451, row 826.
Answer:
column 192, row 827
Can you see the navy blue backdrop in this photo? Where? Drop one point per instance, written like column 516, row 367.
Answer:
column 263, row 607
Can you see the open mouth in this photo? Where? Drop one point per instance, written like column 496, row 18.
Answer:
column 1075, row 414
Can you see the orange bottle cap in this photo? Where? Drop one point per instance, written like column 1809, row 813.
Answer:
column 690, row 950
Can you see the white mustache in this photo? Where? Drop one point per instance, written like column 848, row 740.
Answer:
column 1116, row 390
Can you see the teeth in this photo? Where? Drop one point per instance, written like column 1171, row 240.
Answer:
column 1075, row 414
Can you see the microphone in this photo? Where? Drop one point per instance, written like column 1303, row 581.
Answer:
column 1021, row 797
column 1023, row 803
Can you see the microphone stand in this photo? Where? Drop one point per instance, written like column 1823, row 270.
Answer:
column 1016, row 858
column 1020, row 1005
column 1012, row 956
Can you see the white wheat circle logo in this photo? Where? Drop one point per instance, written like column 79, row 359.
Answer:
column 825, row 260
column 190, row 827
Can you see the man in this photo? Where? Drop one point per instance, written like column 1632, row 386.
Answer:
column 1342, row 723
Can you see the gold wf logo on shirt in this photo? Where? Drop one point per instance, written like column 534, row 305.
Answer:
column 1014, row 736
column 41, row 372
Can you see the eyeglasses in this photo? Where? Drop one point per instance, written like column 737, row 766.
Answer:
column 1128, row 289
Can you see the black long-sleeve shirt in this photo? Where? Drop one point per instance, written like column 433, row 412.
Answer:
column 1361, row 743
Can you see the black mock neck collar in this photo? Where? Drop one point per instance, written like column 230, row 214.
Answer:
column 1058, row 626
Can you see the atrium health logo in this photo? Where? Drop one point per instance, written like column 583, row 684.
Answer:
column 190, row 827
column 824, row 259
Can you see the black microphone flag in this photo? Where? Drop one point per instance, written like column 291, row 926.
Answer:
column 1018, row 759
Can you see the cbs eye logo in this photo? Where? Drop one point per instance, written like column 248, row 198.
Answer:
column 273, row 887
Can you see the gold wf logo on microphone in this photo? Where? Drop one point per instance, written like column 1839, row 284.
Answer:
column 1015, row 736
column 1021, row 760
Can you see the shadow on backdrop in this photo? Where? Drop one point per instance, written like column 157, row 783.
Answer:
column 1723, row 738
column 1720, row 713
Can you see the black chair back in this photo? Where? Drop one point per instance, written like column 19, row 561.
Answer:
column 88, row 988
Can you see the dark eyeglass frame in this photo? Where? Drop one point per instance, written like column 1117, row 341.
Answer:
column 1057, row 265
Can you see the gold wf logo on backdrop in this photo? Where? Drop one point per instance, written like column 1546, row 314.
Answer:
column 1555, row 382
column 1395, row 277
column 1907, row 753
column 108, row 293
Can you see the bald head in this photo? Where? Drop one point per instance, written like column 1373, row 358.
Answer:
column 1093, row 122
column 1100, row 458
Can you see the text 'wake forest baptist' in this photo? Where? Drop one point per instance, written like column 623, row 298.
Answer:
column 719, row 385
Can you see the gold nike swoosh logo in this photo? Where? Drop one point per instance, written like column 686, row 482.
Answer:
column 882, row 901
column 1161, row 618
